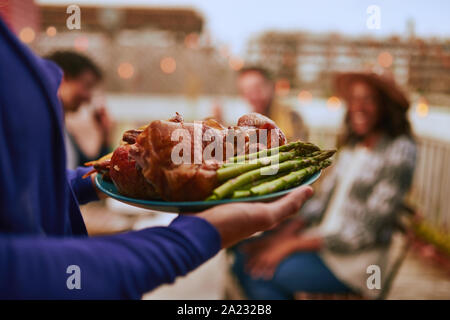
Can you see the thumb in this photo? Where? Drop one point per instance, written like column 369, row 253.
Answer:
column 291, row 203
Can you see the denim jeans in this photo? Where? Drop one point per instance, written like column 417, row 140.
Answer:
column 299, row 272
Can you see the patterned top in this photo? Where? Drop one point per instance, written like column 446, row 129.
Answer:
column 375, row 195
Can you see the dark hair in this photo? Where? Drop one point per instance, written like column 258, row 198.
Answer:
column 73, row 63
column 261, row 70
column 392, row 119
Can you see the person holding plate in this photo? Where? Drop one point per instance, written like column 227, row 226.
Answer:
column 43, row 239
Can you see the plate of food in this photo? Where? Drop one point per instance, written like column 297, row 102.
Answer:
column 182, row 167
column 110, row 189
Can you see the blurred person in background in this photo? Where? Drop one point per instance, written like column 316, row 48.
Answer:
column 348, row 225
column 256, row 86
column 87, row 130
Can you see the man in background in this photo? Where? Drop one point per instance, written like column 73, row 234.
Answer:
column 256, row 86
column 87, row 130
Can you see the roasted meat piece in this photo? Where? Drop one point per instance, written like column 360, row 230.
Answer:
column 171, row 153
column 175, row 182
column 127, row 177
column 121, row 169
column 177, row 161
column 258, row 121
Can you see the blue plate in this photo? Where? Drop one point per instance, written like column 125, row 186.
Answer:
column 189, row 206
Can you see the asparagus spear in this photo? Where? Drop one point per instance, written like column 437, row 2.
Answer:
column 253, row 158
column 233, row 184
column 262, row 180
column 211, row 198
column 244, row 191
column 306, row 147
column 241, row 167
column 289, row 180
column 241, row 194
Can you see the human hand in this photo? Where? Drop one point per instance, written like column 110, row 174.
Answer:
column 280, row 234
column 104, row 121
column 253, row 247
column 237, row 221
column 100, row 194
column 264, row 263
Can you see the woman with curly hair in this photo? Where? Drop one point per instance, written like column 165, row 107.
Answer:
column 347, row 226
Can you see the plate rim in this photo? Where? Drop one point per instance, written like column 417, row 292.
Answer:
column 161, row 203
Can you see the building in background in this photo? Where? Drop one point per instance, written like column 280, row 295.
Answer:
column 142, row 49
column 168, row 51
column 23, row 17
column 178, row 21
column 308, row 60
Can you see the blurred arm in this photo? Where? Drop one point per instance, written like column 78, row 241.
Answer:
column 84, row 189
column 115, row 267
column 127, row 265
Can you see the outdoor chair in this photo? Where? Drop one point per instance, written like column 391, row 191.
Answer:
column 397, row 254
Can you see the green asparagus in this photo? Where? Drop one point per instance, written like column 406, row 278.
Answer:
column 262, row 180
column 244, row 191
column 233, row 184
column 306, row 147
column 299, row 153
column 241, row 167
column 241, row 194
column 289, row 180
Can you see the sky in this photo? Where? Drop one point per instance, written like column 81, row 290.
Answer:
column 233, row 22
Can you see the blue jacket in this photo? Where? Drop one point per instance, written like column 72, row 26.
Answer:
column 42, row 231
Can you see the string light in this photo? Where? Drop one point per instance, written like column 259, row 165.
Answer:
column 385, row 59
column 125, row 70
column 333, row 102
column 51, row 31
column 304, row 96
column 168, row 65
column 422, row 109
column 27, row 35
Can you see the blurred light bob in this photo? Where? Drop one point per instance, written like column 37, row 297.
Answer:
column 168, row 65
column 422, row 109
column 125, row 70
column 51, row 31
column 81, row 43
column 304, row 96
column 385, row 59
column 333, row 102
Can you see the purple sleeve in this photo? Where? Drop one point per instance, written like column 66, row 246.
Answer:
column 83, row 188
column 112, row 267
